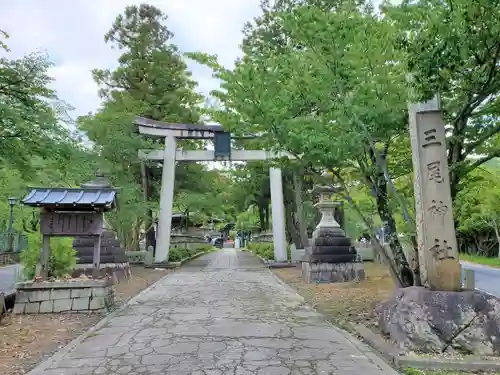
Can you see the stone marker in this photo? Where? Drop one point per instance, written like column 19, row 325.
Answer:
column 437, row 244
column 149, row 258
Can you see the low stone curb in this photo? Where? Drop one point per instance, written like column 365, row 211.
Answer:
column 272, row 263
column 400, row 361
column 283, row 265
column 57, row 356
column 172, row 265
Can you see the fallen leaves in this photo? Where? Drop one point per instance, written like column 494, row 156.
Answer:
column 27, row 339
column 344, row 303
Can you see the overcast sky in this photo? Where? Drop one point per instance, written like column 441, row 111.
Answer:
column 71, row 32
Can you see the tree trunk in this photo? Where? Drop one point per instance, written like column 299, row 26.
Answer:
column 290, row 203
column 267, row 224
column 387, row 217
column 148, row 223
column 497, row 234
column 291, row 229
column 262, row 218
column 299, row 208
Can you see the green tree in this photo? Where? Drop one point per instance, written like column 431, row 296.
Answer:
column 151, row 80
column 477, row 210
column 344, row 110
column 454, row 49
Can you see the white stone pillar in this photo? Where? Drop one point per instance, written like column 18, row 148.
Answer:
column 278, row 215
column 166, row 200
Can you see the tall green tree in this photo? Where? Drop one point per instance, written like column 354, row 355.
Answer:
column 343, row 110
column 151, row 80
column 453, row 48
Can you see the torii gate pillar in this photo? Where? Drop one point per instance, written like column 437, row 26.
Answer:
column 166, row 200
column 278, row 215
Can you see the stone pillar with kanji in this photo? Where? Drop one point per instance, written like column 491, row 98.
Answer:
column 437, row 244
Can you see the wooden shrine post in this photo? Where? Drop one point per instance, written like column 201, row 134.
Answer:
column 437, row 244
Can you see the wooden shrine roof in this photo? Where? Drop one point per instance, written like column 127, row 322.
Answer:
column 72, row 198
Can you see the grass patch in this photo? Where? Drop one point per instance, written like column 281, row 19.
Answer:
column 492, row 262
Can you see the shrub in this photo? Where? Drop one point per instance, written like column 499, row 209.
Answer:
column 62, row 256
column 263, row 249
column 179, row 254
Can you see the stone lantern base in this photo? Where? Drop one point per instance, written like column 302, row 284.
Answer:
column 331, row 257
column 332, row 272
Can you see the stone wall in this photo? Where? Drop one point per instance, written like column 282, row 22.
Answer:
column 64, row 296
column 186, row 241
column 263, row 237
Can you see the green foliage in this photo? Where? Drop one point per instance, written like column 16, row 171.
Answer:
column 179, row 254
column 454, row 50
column 263, row 249
column 62, row 257
column 247, row 220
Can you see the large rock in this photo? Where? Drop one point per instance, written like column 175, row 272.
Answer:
column 418, row 319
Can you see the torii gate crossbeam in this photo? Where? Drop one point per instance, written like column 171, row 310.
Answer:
column 170, row 154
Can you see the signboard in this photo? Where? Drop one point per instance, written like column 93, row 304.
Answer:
column 222, row 146
column 71, row 223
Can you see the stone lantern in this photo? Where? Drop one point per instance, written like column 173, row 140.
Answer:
column 113, row 260
column 331, row 257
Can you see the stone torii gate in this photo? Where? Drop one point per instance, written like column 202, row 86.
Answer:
column 222, row 152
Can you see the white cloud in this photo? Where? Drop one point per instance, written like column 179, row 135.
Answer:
column 72, row 33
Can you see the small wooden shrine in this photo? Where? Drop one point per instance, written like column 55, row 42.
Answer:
column 71, row 212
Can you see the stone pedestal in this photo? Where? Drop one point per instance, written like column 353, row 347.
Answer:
column 114, row 261
column 332, row 272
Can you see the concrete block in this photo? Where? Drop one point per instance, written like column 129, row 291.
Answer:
column 46, row 307
column 80, row 304
column 81, row 293
column 99, row 292
column 32, row 308
column 19, row 308
column 60, row 293
column 61, row 305
column 39, row 295
column 22, row 296
column 97, row 303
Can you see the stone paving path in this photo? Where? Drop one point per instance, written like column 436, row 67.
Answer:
column 223, row 313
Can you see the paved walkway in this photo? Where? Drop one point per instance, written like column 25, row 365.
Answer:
column 223, row 313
